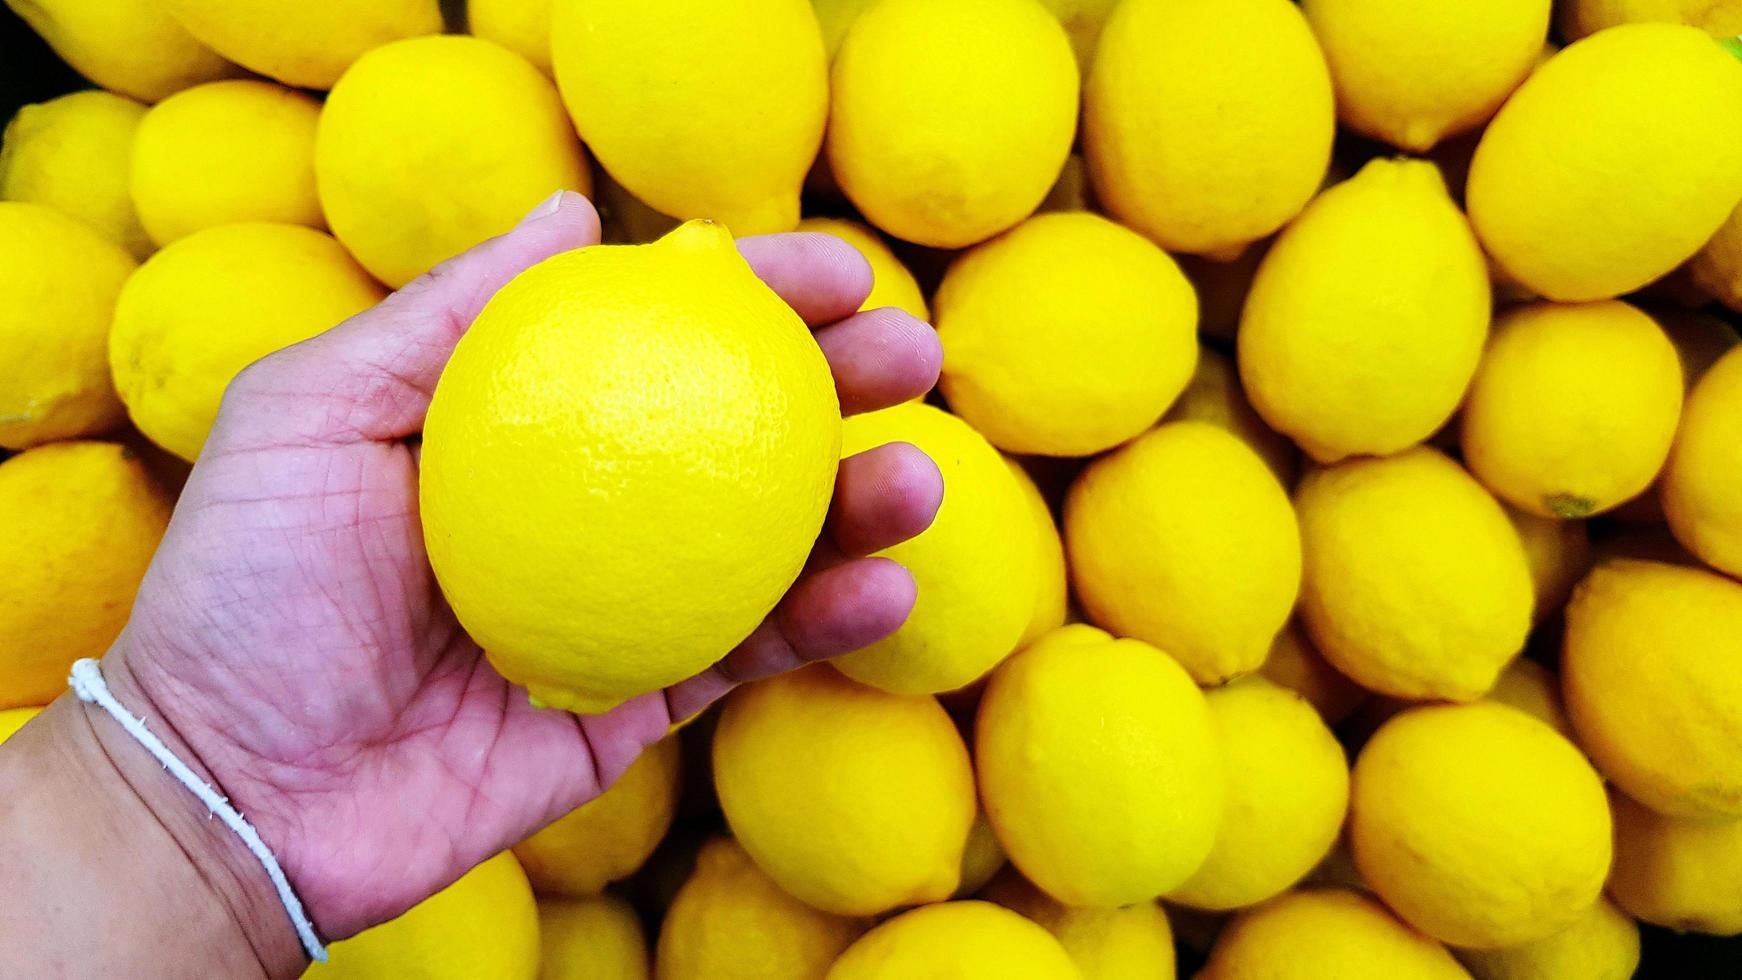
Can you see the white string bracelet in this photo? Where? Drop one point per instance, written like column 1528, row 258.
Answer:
column 87, row 683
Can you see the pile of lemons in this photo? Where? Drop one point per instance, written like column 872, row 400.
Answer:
column 1340, row 424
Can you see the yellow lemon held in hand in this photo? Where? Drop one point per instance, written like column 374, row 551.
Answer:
column 732, row 922
column 1480, row 825
column 58, row 283
column 12, row 719
column 1415, row 583
column 609, row 837
column 1288, row 788
column 133, row 47
column 1682, row 873
column 1130, row 943
column 956, row 941
column 1099, row 768
column 601, row 536
column 852, row 799
column 1613, row 163
column 1573, row 409
column 891, row 283
column 1720, row 18
column 83, row 520
column 72, row 154
column 590, row 939
column 1717, row 268
column 1412, row 73
column 1065, row 336
column 1052, row 599
column 1559, row 553
column 482, row 927
column 949, row 120
column 225, row 153
column 1533, row 689
column 1702, row 486
column 212, row 303
column 735, row 120
column 1214, row 395
column 521, row 26
column 1297, row 665
column 1367, row 317
column 304, row 45
column 427, row 147
column 1326, row 932
column 1207, row 123
column 1649, row 674
column 1183, row 539
column 977, row 566
column 1602, row 944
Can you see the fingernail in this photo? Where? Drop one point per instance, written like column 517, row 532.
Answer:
column 545, row 209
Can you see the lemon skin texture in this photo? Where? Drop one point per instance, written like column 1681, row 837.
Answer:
column 1648, row 672
column 609, row 837
column 1602, row 944
column 1296, row 664
column 1720, row 18
column 956, row 941
column 1326, row 932
column 72, row 154
column 1065, row 336
column 740, row 105
column 978, row 567
column 1184, row 539
column 1099, row 767
column 212, row 303
column 1682, row 873
column 521, row 26
column 590, row 939
column 224, row 153
column 1287, row 792
column 1247, row 80
column 1130, row 943
column 1529, row 687
column 1214, row 395
column 1574, row 407
column 1415, row 583
column 1367, row 317
column 1414, row 73
column 84, row 519
column 732, row 922
column 482, row 927
column 1702, row 486
column 891, row 283
column 1052, row 599
column 1612, row 164
column 428, row 146
column 1478, row 824
column 674, row 515
column 1717, row 268
column 12, row 719
column 131, row 47
column 1559, row 553
column 58, row 283
column 949, row 120
column 303, row 45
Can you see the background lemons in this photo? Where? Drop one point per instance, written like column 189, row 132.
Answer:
column 133, row 47
column 1602, row 944
column 1214, row 395
column 521, row 26
column 1296, row 664
column 611, row 836
column 956, row 941
column 1052, row 599
column 1723, row 18
column 304, row 45
column 1129, row 943
column 1683, row 873
column 1325, row 932
column 1559, row 553
column 72, row 154
column 1702, row 489
column 590, row 939
column 1717, row 267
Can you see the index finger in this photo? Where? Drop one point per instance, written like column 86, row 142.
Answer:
column 821, row 277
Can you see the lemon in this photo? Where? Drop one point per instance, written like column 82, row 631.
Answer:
column 835, row 17
column 1717, row 267
column 1065, row 336
column 1183, row 539
column 521, row 26
column 304, row 45
column 982, row 858
column 956, row 941
column 212, row 303
column 1296, row 664
column 1650, row 681
column 1083, row 21
column 1214, row 395
column 977, row 567
column 610, row 837
column 12, row 719
column 1529, row 687
column 224, row 153
column 601, row 536
column 1326, row 932
column 58, row 283
column 1098, row 767
column 735, row 119
column 1573, row 408
column 1683, row 873
column 132, row 47
column 1722, row 18
column 1478, row 824
column 1052, row 599
column 731, row 922
column 72, row 154
column 1366, row 319
column 853, row 800
column 1416, row 72
column 1415, row 585
column 891, row 283
column 482, row 927
column 84, row 519
column 1613, row 163
column 1130, row 943
column 1559, row 553
column 950, row 119
column 427, row 147
column 1288, row 788
column 1602, row 944
column 1702, row 486
column 590, row 939
column 1222, row 288
column 1246, row 81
